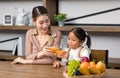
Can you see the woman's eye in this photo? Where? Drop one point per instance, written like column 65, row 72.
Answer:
column 68, row 38
column 47, row 21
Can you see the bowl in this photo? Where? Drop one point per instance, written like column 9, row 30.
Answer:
column 101, row 75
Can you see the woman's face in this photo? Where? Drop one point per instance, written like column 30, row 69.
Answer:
column 42, row 23
column 73, row 41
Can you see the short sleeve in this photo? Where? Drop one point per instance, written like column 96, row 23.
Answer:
column 85, row 52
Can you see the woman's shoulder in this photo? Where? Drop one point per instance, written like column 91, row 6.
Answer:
column 55, row 32
column 32, row 31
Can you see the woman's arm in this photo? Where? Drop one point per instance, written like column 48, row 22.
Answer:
column 38, row 61
column 29, row 54
column 28, row 46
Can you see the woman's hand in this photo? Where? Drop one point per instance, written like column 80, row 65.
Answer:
column 45, row 52
column 19, row 60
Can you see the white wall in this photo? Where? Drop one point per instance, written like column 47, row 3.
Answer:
column 107, row 41
column 73, row 8
column 77, row 8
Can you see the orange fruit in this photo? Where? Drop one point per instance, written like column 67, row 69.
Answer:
column 59, row 52
column 85, row 65
column 84, row 71
column 92, row 64
column 54, row 49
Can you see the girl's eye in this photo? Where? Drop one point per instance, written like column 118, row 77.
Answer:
column 73, row 40
column 40, row 22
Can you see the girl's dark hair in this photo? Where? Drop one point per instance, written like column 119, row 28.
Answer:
column 38, row 10
column 82, row 35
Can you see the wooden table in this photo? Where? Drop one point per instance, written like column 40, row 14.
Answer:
column 39, row 71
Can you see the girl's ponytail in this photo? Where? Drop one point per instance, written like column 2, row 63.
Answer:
column 88, row 43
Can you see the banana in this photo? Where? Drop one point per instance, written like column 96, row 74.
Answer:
column 84, row 71
column 101, row 66
column 94, row 70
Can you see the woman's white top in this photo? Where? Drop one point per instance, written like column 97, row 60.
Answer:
column 83, row 51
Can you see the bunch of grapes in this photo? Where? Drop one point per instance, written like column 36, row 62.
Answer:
column 72, row 66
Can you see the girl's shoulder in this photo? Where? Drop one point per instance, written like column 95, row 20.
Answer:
column 84, row 48
column 66, row 49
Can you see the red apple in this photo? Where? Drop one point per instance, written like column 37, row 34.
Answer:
column 85, row 59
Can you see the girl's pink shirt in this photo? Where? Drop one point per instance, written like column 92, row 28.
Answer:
column 32, row 46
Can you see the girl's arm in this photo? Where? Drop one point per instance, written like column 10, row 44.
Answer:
column 85, row 53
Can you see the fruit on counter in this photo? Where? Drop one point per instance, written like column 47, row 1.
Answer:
column 85, row 68
column 92, row 64
column 101, row 66
column 85, row 65
column 77, row 72
column 72, row 66
column 85, row 59
column 84, row 71
column 94, row 70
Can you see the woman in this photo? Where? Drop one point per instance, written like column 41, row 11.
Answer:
column 38, row 39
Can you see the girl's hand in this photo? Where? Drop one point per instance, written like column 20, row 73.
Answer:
column 19, row 60
column 62, row 54
column 57, row 64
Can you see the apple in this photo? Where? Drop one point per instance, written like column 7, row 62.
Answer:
column 85, row 59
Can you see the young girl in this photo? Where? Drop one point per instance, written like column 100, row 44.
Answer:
column 79, row 43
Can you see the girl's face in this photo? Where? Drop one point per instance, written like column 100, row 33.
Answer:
column 42, row 23
column 73, row 41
